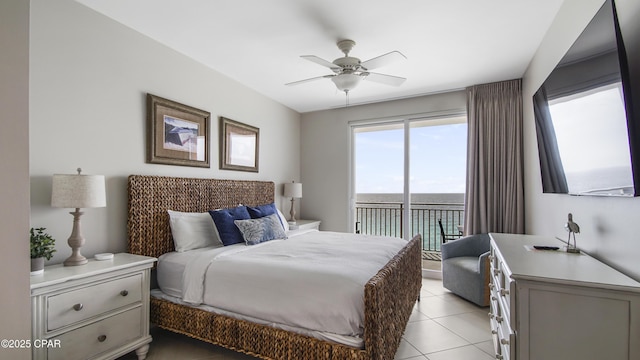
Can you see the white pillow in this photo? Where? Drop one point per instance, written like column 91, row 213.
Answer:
column 193, row 230
column 283, row 220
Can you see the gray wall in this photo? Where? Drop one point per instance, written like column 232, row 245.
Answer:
column 326, row 154
column 15, row 309
column 609, row 227
column 89, row 79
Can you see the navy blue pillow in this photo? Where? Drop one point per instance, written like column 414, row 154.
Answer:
column 262, row 210
column 224, row 220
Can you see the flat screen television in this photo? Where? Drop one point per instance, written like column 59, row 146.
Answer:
column 587, row 134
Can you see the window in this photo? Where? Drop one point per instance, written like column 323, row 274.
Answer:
column 407, row 175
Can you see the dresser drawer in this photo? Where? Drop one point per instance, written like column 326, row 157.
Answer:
column 91, row 340
column 496, row 338
column 503, row 298
column 502, row 286
column 77, row 305
column 506, row 341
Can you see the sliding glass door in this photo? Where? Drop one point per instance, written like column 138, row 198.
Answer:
column 408, row 177
column 379, row 174
column 437, row 179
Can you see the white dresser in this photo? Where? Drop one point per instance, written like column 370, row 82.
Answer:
column 95, row 311
column 548, row 305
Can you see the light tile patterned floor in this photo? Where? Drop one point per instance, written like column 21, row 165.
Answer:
column 442, row 327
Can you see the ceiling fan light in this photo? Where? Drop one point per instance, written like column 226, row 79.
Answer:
column 346, row 82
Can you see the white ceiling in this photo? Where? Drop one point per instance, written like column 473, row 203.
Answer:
column 449, row 44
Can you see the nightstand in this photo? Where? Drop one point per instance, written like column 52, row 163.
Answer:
column 305, row 224
column 95, row 311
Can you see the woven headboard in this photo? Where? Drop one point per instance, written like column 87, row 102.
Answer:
column 151, row 196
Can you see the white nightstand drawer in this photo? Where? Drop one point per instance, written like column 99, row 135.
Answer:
column 305, row 225
column 73, row 306
column 101, row 336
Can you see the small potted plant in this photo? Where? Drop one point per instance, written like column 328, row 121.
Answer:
column 42, row 247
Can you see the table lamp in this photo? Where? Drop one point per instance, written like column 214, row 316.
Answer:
column 293, row 190
column 77, row 191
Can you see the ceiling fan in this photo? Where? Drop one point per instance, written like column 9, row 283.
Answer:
column 349, row 71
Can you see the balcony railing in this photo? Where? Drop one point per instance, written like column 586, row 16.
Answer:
column 385, row 218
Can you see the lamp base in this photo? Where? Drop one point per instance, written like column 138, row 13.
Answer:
column 292, row 213
column 76, row 240
column 75, row 260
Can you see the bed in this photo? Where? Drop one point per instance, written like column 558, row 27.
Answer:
column 389, row 295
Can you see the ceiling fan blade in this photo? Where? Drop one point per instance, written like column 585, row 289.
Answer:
column 385, row 79
column 382, row 60
column 321, row 61
column 309, row 80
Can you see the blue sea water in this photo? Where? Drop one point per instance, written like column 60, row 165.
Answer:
column 444, row 198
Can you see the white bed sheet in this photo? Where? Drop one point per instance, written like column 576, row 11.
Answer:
column 171, row 266
column 312, row 282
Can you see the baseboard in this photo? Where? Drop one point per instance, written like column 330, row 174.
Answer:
column 432, row 274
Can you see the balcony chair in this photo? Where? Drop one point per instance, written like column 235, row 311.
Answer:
column 446, row 237
column 465, row 268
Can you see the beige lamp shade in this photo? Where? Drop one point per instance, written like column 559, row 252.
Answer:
column 293, row 190
column 78, row 191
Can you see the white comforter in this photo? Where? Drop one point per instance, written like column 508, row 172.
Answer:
column 313, row 281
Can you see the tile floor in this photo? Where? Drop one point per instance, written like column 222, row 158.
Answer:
column 442, row 327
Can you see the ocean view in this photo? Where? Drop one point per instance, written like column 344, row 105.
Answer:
column 415, row 198
column 381, row 214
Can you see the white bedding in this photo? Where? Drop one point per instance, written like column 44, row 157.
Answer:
column 170, row 267
column 312, row 281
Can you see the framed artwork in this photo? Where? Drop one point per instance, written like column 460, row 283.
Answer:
column 177, row 134
column 239, row 146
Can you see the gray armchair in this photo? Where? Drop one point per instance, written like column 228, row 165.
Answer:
column 465, row 268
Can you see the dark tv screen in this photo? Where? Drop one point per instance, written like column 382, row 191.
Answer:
column 582, row 112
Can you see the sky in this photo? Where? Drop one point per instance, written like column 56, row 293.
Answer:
column 438, row 159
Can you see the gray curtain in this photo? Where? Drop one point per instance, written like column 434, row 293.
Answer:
column 494, row 200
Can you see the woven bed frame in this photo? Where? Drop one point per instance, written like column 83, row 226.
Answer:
column 389, row 296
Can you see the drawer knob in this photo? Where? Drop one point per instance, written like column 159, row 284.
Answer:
column 504, row 292
column 124, row 293
column 78, row 307
column 102, row 338
column 504, row 341
column 491, row 316
column 499, row 319
column 494, row 332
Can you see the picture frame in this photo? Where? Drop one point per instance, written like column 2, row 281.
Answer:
column 239, row 146
column 178, row 134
